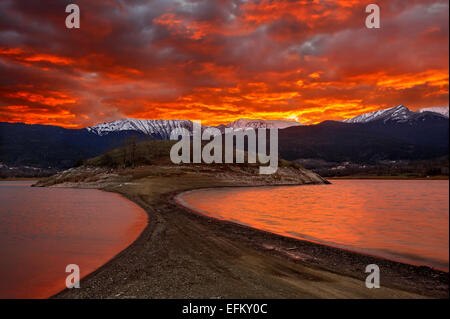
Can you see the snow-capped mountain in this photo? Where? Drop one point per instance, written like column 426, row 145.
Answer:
column 157, row 128
column 162, row 129
column 399, row 114
column 256, row 123
column 437, row 109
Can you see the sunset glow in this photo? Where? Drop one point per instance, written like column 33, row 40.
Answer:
column 219, row 61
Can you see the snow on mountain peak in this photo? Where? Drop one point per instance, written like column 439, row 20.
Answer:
column 163, row 128
column 158, row 128
column 398, row 113
column 245, row 123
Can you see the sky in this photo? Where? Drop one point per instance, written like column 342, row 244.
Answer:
column 219, row 60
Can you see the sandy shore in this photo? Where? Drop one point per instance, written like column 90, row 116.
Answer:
column 182, row 254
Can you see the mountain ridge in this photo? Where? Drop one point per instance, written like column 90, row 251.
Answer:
column 399, row 114
column 401, row 135
column 244, row 123
column 157, row 128
column 444, row 110
column 163, row 128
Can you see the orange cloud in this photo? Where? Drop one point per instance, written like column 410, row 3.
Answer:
column 56, row 99
column 220, row 60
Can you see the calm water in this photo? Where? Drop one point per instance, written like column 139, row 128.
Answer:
column 44, row 229
column 401, row 220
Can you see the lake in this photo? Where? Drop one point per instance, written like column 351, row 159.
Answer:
column 403, row 220
column 42, row 230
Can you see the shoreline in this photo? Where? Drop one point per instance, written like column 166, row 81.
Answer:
column 21, row 179
column 183, row 204
column 185, row 254
column 393, row 178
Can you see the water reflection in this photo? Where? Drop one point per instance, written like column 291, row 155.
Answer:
column 401, row 220
column 42, row 230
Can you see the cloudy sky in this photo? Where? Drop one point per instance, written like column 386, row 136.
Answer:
column 219, row 60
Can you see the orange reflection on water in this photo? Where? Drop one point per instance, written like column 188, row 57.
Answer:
column 43, row 230
column 401, row 220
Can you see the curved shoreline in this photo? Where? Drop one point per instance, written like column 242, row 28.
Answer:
column 297, row 269
column 85, row 227
column 399, row 258
column 288, row 252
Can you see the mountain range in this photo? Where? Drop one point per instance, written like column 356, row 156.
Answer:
column 437, row 109
column 398, row 114
column 389, row 134
column 255, row 124
column 161, row 129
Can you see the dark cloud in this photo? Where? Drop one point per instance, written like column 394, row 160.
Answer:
column 218, row 60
